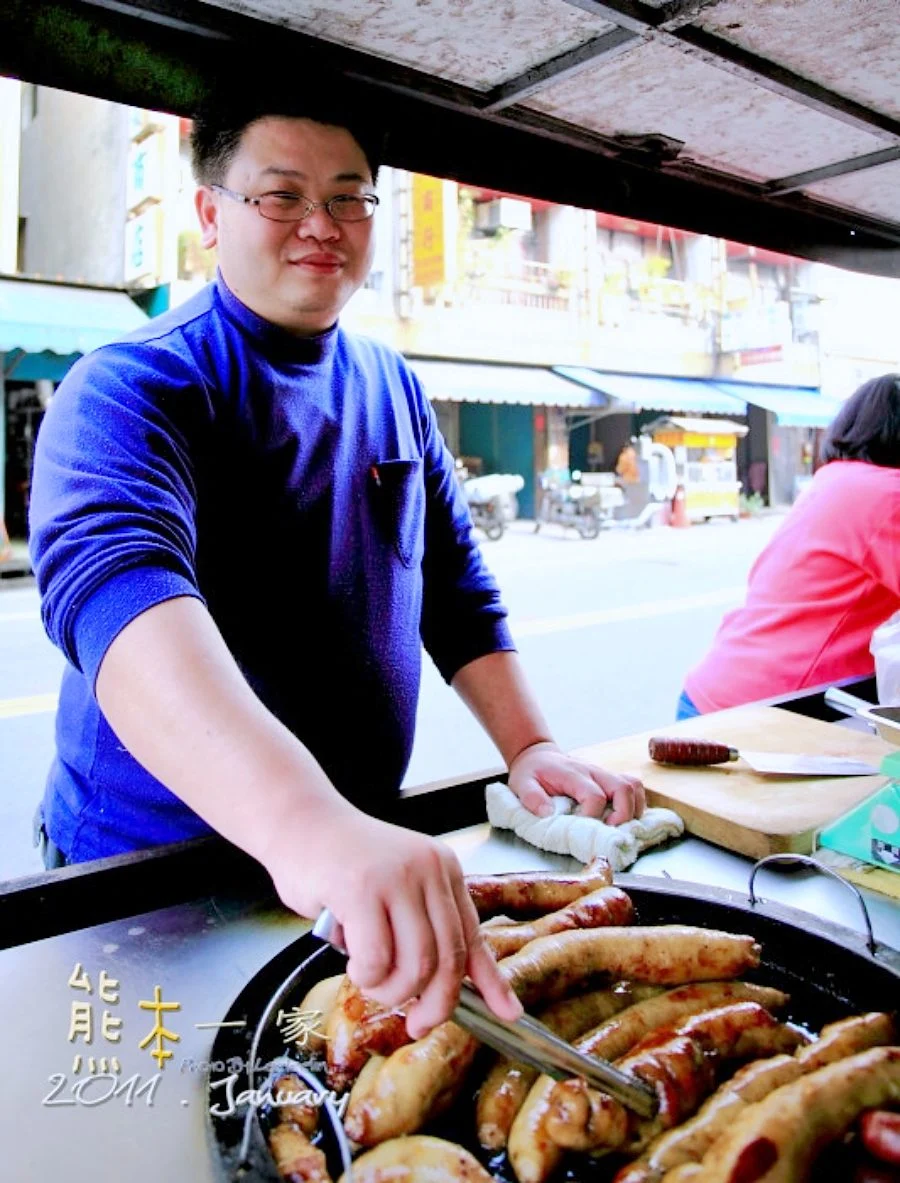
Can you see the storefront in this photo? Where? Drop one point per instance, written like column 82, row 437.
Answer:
column 44, row 328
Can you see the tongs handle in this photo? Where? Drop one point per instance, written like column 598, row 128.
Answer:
column 528, row 1041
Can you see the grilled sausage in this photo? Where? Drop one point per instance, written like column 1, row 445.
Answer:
column 397, row 1095
column 507, row 1084
column 667, row 955
column 357, row 1027
column 880, row 1133
column 297, row 1160
column 605, row 906
column 319, row 1004
column 533, row 1153
column 691, row 1140
column 678, row 1062
column 300, row 1113
column 777, row 1140
column 846, row 1038
column 419, row 1159
column 533, row 893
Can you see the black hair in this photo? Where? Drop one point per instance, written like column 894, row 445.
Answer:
column 867, row 427
column 225, row 114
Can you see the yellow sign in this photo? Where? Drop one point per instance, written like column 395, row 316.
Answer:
column 428, row 231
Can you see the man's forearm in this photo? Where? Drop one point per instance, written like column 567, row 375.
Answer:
column 176, row 699
column 495, row 689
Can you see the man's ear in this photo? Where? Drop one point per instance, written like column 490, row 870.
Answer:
column 208, row 214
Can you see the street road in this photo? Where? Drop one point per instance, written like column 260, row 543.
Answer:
column 606, row 629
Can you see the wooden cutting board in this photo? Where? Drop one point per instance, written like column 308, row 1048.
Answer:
column 736, row 807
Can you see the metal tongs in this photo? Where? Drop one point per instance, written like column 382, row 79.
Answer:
column 527, row 1041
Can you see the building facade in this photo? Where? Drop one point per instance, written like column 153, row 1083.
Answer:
column 547, row 336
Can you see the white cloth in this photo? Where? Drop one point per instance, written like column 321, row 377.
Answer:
column 583, row 838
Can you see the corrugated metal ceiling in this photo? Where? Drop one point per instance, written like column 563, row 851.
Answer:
column 783, row 115
column 642, row 75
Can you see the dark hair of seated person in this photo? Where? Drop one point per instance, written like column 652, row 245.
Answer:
column 225, row 112
column 867, row 427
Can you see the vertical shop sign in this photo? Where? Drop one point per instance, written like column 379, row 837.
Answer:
column 428, row 231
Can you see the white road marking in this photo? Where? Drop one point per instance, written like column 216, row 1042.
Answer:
column 38, row 704
column 32, row 704
column 543, row 626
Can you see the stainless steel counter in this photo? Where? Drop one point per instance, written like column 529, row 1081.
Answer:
column 201, row 955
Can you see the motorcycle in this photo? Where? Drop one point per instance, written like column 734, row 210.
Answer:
column 492, row 501
column 567, row 502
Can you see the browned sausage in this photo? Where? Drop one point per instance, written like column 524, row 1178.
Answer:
column 846, row 1038
column 533, row 1153
column 357, row 1027
column 532, row 893
column 667, row 955
column 777, row 1140
column 397, row 1095
column 679, row 1064
column 606, row 906
column 298, row 1161
column 419, row 1159
column 294, row 1104
column 507, row 1084
column 880, row 1132
column 691, row 1140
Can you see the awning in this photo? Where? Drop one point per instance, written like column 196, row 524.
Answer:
column 793, row 406
column 60, row 318
column 482, row 382
column 649, row 392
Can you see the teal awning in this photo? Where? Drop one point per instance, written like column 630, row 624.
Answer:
column 793, row 406
column 484, row 382
column 60, row 318
column 651, row 392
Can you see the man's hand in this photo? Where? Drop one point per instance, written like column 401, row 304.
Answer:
column 542, row 771
column 410, row 928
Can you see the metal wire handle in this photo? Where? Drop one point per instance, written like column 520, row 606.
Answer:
column 275, row 1001
column 817, row 866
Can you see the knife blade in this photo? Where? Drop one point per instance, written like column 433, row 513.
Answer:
column 686, row 751
column 527, row 1041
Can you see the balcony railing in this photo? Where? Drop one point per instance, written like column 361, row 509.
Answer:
column 526, row 285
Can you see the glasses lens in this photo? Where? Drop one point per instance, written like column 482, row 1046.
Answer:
column 284, row 207
column 349, row 208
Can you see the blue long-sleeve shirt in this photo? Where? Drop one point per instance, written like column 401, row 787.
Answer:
column 301, row 489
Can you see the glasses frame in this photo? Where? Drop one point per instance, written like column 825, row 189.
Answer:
column 304, row 203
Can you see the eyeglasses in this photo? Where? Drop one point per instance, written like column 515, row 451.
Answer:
column 291, row 207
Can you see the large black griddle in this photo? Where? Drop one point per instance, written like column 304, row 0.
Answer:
column 829, row 972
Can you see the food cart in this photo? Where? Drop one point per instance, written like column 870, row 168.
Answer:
column 187, row 928
column 705, row 465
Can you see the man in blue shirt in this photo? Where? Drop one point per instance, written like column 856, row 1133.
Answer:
column 278, row 710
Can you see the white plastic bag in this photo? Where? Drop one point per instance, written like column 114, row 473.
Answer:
column 885, row 648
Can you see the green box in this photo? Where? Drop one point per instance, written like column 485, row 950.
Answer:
column 871, row 831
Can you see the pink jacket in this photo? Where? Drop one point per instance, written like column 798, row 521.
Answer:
column 827, row 579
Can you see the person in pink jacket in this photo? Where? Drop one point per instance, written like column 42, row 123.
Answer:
column 829, row 576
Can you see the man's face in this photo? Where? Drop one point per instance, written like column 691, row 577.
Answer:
column 298, row 275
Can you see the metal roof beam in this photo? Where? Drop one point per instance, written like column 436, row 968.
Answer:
column 606, row 46
column 840, row 168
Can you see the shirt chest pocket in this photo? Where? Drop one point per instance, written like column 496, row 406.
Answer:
column 398, row 493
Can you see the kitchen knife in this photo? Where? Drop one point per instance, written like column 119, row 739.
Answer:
column 528, row 1041
column 695, row 753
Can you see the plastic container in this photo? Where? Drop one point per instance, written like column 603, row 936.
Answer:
column 871, row 831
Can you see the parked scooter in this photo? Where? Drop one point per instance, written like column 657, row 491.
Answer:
column 567, row 502
column 492, row 500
